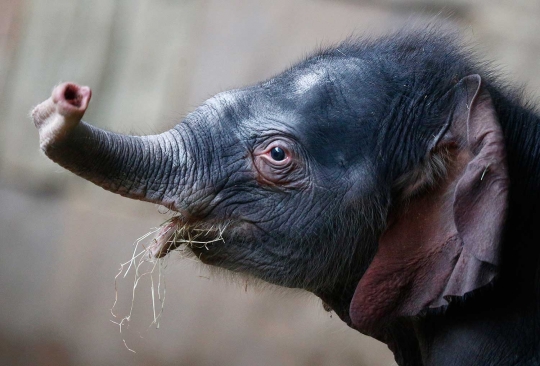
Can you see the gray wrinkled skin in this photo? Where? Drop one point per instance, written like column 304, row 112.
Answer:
column 303, row 170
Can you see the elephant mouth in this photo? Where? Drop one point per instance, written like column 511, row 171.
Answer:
column 177, row 234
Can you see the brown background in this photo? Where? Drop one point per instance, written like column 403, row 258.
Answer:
column 149, row 62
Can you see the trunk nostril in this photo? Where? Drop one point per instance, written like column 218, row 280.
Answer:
column 72, row 95
column 71, row 99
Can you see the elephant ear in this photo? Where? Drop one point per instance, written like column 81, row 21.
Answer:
column 443, row 242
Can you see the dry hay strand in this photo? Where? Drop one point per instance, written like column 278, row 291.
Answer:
column 170, row 236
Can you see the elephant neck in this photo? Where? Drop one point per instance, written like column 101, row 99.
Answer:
column 496, row 325
column 487, row 331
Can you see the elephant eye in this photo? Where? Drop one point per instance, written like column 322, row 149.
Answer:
column 278, row 154
column 276, row 162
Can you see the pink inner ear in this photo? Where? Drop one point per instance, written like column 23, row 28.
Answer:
column 416, row 256
column 445, row 242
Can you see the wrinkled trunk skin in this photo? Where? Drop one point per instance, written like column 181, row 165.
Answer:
column 147, row 168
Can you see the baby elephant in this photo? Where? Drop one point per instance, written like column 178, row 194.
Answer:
column 395, row 179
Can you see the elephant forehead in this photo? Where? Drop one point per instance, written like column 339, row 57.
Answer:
column 326, row 72
column 308, row 80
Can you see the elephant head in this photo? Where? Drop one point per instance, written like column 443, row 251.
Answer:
column 371, row 174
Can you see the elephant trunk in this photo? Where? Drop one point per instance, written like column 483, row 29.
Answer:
column 139, row 167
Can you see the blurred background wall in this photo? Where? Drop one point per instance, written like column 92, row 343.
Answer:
column 149, row 62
